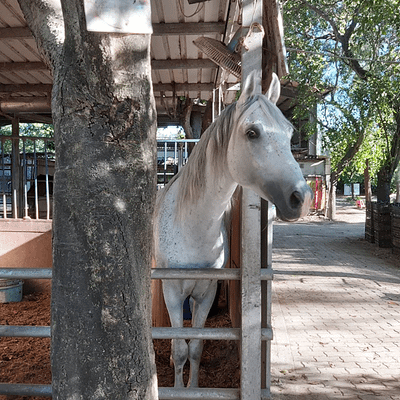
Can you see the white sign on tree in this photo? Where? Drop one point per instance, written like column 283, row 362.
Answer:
column 118, row 16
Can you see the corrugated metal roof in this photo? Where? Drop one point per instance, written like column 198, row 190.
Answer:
column 180, row 69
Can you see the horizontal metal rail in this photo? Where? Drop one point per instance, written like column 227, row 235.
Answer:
column 157, row 333
column 19, row 389
column 204, row 393
column 156, row 273
column 205, row 333
column 25, row 331
column 164, row 393
column 205, row 273
column 26, row 273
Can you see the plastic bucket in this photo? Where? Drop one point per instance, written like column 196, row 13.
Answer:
column 10, row 290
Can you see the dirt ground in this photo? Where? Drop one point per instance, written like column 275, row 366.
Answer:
column 27, row 360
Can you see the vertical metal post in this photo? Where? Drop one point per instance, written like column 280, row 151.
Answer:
column 213, row 105
column 267, row 217
column 165, row 163
column 251, row 360
column 35, row 173
column 251, row 297
column 177, row 165
column 25, row 178
column 15, row 170
column 3, row 180
column 47, row 181
column 219, row 100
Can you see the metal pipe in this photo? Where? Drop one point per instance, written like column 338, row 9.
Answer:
column 156, row 273
column 196, row 333
column 165, row 163
column 3, row 178
column 205, row 273
column 205, row 333
column 26, row 273
column 36, row 181
column 25, row 177
column 19, row 389
column 25, row 331
column 165, row 393
column 47, row 182
column 157, row 333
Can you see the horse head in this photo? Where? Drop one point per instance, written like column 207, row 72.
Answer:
column 259, row 155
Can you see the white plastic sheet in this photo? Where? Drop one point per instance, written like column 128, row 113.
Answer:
column 118, row 16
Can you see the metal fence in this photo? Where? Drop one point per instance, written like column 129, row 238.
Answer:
column 157, row 333
column 171, row 156
column 26, row 177
column 27, row 170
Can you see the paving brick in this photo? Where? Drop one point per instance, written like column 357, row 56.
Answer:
column 342, row 324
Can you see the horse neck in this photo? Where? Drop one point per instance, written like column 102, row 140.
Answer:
column 216, row 195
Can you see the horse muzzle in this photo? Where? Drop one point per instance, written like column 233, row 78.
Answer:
column 297, row 204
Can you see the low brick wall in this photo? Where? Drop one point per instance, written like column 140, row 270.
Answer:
column 27, row 244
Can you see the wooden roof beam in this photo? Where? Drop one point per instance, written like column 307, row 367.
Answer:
column 26, row 88
column 22, row 66
column 188, row 28
column 182, row 64
column 183, row 87
column 18, row 105
column 155, row 64
column 21, row 32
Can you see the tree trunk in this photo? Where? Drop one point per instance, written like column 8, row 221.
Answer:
column 383, row 185
column 398, row 192
column 104, row 122
column 332, row 201
column 367, row 182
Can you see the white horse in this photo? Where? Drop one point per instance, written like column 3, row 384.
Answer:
column 248, row 145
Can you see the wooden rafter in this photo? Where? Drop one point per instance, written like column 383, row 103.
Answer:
column 158, row 30
column 182, row 64
column 188, row 28
column 23, row 66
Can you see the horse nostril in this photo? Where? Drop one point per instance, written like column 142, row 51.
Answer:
column 296, row 200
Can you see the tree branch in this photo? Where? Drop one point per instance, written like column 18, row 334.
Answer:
column 344, row 39
column 45, row 19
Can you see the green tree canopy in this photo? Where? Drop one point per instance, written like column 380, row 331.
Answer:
column 350, row 49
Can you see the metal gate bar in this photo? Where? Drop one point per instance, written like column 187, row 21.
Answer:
column 163, row 393
column 156, row 273
column 157, row 333
column 19, row 389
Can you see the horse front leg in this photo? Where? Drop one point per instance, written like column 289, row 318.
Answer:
column 201, row 307
column 174, row 298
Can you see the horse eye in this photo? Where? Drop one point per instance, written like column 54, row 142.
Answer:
column 252, row 134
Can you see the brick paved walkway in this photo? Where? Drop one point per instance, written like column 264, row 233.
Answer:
column 336, row 314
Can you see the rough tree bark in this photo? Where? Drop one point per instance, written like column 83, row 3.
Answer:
column 386, row 172
column 351, row 151
column 104, row 121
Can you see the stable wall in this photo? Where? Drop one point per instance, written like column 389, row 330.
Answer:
column 27, row 244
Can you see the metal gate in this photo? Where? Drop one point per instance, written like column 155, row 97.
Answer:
column 244, row 335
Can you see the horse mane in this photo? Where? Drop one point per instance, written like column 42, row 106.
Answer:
column 216, row 139
column 192, row 176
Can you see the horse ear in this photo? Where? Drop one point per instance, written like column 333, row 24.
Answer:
column 274, row 90
column 250, row 86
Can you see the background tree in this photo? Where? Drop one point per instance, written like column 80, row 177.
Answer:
column 104, row 126
column 350, row 47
